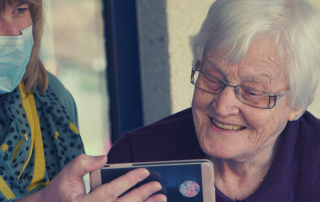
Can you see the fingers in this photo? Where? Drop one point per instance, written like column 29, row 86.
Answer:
column 142, row 193
column 157, row 198
column 83, row 164
column 110, row 191
column 118, row 186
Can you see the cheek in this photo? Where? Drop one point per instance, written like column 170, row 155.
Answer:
column 25, row 21
column 29, row 20
column 266, row 124
column 201, row 100
column 201, row 105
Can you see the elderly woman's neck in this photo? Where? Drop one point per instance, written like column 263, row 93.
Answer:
column 238, row 178
column 250, row 164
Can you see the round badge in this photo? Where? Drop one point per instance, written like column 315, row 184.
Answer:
column 189, row 189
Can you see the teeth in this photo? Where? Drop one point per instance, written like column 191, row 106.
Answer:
column 227, row 127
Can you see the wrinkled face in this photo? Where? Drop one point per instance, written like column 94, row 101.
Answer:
column 14, row 19
column 259, row 128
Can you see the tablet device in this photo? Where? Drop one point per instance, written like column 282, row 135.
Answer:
column 183, row 181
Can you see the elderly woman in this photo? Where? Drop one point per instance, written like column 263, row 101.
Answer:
column 38, row 124
column 256, row 70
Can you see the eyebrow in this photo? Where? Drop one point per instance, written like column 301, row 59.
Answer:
column 267, row 76
column 262, row 77
column 20, row 4
column 215, row 66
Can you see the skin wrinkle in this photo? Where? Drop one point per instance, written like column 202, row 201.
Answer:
column 255, row 139
column 242, row 158
column 243, row 170
column 269, row 125
column 263, row 58
column 210, row 70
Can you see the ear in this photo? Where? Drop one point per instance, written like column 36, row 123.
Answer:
column 295, row 113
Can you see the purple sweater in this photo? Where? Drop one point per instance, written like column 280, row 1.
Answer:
column 293, row 176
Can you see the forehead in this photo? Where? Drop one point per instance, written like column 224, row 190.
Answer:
column 262, row 60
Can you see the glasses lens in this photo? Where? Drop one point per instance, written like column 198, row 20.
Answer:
column 246, row 95
column 254, row 97
column 208, row 83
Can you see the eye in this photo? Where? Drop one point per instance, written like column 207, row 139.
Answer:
column 21, row 10
column 252, row 93
column 212, row 80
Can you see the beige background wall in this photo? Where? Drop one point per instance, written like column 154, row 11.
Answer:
column 184, row 19
column 165, row 56
column 314, row 108
column 164, row 30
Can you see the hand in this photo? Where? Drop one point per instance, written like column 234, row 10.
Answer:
column 68, row 186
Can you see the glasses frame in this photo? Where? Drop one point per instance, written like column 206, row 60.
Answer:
column 277, row 97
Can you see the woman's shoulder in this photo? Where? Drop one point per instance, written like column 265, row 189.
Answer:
column 308, row 134
column 56, row 85
column 64, row 96
column 306, row 158
column 307, row 142
column 167, row 139
column 175, row 121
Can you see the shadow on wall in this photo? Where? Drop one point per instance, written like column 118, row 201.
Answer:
column 154, row 59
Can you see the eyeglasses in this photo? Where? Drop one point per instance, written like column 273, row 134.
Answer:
column 249, row 96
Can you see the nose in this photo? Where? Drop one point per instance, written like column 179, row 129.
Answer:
column 8, row 27
column 226, row 103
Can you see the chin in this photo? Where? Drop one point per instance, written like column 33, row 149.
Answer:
column 224, row 147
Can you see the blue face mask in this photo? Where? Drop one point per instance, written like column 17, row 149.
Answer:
column 15, row 54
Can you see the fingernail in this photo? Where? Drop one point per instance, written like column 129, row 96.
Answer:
column 143, row 175
column 162, row 200
column 98, row 159
column 156, row 188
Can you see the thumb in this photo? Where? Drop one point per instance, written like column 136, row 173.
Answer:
column 84, row 163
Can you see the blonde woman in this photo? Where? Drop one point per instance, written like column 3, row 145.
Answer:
column 42, row 156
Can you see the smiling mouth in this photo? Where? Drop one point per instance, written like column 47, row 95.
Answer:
column 227, row 127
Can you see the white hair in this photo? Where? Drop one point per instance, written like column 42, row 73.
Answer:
column 293, row 24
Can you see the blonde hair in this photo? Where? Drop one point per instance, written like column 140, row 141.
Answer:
column 36, row 75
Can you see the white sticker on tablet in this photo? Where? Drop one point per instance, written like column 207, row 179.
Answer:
column 189, row 189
